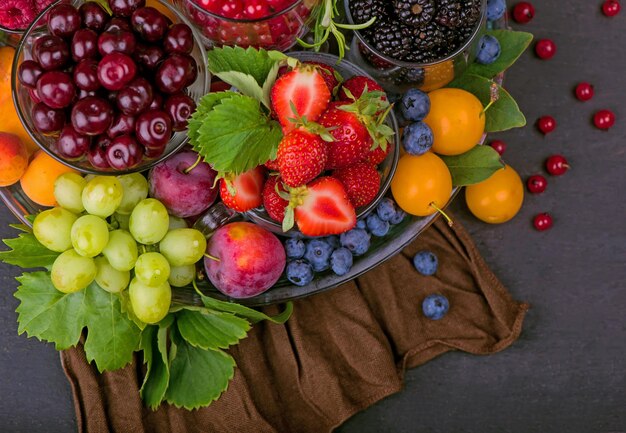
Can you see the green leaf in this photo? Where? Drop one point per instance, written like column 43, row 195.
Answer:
column 21, row 227
column 473, row 166
column 269, row 82
column 245, row 84
column 211, row 330
column 236, row 136
column 197, row 376
column 27, row 252
column 513, row 45
column 503, row 114
column 154, row 346
column 249, row 61
column 249, row 313
column 205, row 106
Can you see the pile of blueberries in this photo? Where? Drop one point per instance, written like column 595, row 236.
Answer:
column 308, row 256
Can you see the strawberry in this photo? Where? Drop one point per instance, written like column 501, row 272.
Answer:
column 302, row 88
column 274, row 204
column 356, row 85
column 328, row 73
column 272, row 164
column 352, row 139
column 361, row 181
column 322, row 208
column 243, row 192
column 301, row 157
column 378, row 155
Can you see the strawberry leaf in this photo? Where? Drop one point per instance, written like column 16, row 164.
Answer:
column 211, row 330
column 27, row 252
column 473, row 166
column 154, row 346
column 205, row 106
column 256, row 63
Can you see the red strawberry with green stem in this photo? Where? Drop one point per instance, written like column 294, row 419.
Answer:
column 243, row 192
column 273, row 203
column 354, row 87
column 361, row 182
column 377, row 155
column 331, row 77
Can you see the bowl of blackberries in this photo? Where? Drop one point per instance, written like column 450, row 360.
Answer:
column 416, row 43
column 109, row 89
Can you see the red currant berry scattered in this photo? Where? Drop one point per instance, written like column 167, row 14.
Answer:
column 546, row 124
column 542, row 221
column 523, row 12
column 536, row 184
column 584, row 91
column 545, row 49
column 610, row 8
column 557, row 165
column 604, row 119
column 499, row 146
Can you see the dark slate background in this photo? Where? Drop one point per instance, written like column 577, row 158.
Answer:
column 567, row 372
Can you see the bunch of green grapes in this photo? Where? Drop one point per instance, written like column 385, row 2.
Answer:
column 108, row 231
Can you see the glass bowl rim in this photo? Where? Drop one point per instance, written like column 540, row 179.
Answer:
column 403, row 64
column 248, row 21
column 30, row 129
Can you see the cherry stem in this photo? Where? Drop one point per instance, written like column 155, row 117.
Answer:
column 210, row 257
column 192, row 166
column 448, row 219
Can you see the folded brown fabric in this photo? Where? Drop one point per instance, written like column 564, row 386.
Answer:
column 339, row 353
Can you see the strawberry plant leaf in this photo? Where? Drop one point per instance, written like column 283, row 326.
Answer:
column 154, row 346
column 205, row 106
column 211, row 330
column 245, row 84
column 249, row 61
column 197, row 376
column 236, row 136
column 27, row 252
column 473, row 166
column 513, row 45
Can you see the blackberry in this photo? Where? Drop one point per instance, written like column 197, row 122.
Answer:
column 364, row 10
column 393, row 40
column 428, row 37
column 470, row 12
column 450, row 36
column 416, row 13
column 449, row 13
column 464, row 33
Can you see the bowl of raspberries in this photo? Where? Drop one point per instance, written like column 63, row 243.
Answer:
column 416, row 43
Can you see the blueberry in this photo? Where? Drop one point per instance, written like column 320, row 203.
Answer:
column 360, row 224
column 398, row 217
column 417, row 138
column 341, row 261
column 415, row 105
column 435, row 306
column 318, row 254
column 356, row 240
column 376, row 226
column 386, row 209
column 425, row 262
column 495, row 9
column 488, row 50
column 333, row 241
column 299, row 272
column 294, row 248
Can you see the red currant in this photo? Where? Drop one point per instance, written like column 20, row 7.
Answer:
column 523, row 12
column 546, row 124
column 584, row 91
column 545, row 49
column 557, row 165
column 542, row 221
column 610, row 8
column 536, row 184
column 604, row 119
column 499, row 146
column 231, row 9
column 256, row 9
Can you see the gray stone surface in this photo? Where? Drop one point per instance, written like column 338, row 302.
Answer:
column 567, row 372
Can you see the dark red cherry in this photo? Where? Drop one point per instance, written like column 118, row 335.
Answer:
column 28, row 73
column 179, row 107
column 92, row 115
column 71, row 144
column 135, row 97
column 124, row 152
column 125, row 8
column 153, row 128
column 122, row 41
column 51, row 52
column 178, row 39
column 84, row 45
column 63, row 20
column 148, row 56
column 117, row 23
column 175, row 73
column 115, row 70
column 154, row 152
column 56, row 89
column 122, row 125
column 149, row 23
column 93, row 16
column 97, row 154
column 34, row 96
column 86, row 75
column 47, row 120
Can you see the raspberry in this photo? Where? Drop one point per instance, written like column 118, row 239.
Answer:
column 17, row 14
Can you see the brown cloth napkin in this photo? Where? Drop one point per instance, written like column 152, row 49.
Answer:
column 340, row 352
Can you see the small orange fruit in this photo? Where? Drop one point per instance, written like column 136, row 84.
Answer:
column 38, row 180
column 13, row 159
column 497, row 199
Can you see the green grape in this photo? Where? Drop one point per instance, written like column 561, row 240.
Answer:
column 72, row 272
column 121, row 250
column 109, row 278
column 180, row 276
column 102, row 195
column 122, row 220
column 68, row 190
column 149, row 221
column 152, row 269
column 183, row 246
column 150, row 303
column 135, row 189
column 52, row 229
column 90, row 234
column 177, row 223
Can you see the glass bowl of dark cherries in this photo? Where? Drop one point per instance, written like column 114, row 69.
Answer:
column 109, row 90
